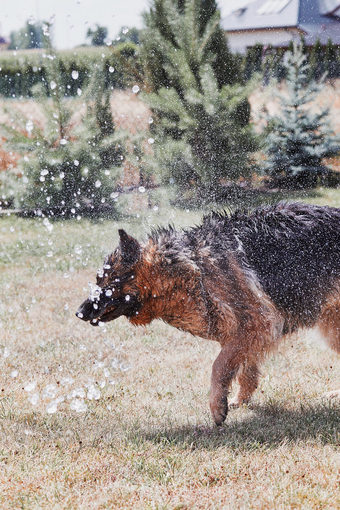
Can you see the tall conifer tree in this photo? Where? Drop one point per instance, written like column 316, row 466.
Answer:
column 201, row 129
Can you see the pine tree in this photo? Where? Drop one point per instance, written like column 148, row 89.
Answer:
column 317, row 61
column 28, row 37
column 201, row 129
column 332, row 66
column 203, row 40
column 68, row 170
column 253, row 61
column 299, row 138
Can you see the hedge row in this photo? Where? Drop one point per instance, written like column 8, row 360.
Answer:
column 268, row 61
column 20, row 70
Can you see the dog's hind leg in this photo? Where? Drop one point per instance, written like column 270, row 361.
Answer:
column 248, row 379
column 329, row 326
column 329, row 321
column 224, row 369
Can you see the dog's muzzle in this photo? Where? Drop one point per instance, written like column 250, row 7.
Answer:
column 87, row 311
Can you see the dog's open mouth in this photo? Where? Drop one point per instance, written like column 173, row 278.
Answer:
column 96, row 313
column 108, row 315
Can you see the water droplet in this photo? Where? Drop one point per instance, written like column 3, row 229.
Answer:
column 50, row 391
column 29, row 126
column 34, row 399
column 93, row 393
column 135, row 89
column 77, row 393
column 66, row 381
column 52, row 407
column 47, row 224
column 75, row 75
column 78, row 405
column 53, row 85
column 30, row 386
column 124, row 367
column 111, row 69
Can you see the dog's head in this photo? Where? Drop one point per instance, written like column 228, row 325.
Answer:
column 116, row 292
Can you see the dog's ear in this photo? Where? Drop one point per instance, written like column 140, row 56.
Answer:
column 129, row 247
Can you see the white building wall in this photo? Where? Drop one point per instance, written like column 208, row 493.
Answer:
column 239, row 41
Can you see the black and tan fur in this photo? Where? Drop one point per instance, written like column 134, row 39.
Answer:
column 245, row 281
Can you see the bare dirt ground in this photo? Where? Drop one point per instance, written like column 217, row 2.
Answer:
column 146, row 440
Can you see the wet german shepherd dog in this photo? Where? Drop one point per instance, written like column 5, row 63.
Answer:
column 244, row 280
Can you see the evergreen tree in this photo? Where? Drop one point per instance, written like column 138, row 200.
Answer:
column 192, row 28
column 253, row 61
column 97, row 35
column 332, row 65
column 317, row 61
column 299, row 138
column 68, row 170
column 201, row 129
column 28, row 37
column 127, row 34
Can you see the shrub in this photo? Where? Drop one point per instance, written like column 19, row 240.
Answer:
column 67, row 170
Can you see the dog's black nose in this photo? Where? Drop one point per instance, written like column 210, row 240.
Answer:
column 86, row 311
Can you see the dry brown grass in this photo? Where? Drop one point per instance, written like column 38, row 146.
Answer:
column 132, row 114
column 149, row 441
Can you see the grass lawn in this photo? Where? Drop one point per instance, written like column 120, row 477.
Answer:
column 148, row 441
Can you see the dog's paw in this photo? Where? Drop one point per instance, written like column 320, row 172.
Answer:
column 219, row 411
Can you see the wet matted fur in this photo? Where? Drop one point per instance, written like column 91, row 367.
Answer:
column 244, row 280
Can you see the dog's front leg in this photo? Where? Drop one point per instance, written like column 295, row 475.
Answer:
column 224, row 369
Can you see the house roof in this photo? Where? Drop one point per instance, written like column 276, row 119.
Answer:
column 282, row 14
column 329, row 6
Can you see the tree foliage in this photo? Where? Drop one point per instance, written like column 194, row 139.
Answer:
column 201, row 126
column 68, row 168
column 97, row 35
column 127, row 34
column 299, row 137
column 191, row 28
column 29, row 37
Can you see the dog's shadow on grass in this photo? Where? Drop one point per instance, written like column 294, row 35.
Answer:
column 268, row 425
